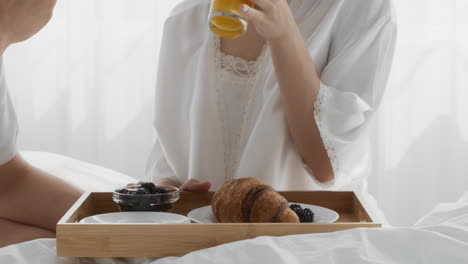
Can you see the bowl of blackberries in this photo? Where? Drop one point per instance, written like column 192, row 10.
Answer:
column 146, row 197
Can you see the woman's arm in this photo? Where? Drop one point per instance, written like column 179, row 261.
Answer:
column 33, row 197
column 299, row 85
column 340, row 104
column 298, row 81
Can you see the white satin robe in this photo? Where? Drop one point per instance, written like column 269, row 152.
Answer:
column 352, row 45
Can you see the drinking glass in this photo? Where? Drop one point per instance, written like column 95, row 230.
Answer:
column 225, row 18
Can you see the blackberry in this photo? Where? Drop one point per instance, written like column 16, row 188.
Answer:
column 123, row 191
column 307, row 216
column 148, row 186
column 142, row 191
column 160, row 190
column 295, row 207
column 151, row 188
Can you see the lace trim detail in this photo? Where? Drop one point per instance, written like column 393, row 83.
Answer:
column 238, row 66
column 234, row 68
column 327, row 142
column 252, row 71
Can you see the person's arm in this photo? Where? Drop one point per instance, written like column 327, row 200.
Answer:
column 297, row 79
column 3, row 45
column 327, row 115
column 21, row 19
column 28, row 195
column 300, row 84
column 33, row 197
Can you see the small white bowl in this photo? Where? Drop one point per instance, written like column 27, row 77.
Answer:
column 136, row 218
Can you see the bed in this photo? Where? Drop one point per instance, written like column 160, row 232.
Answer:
column 439, row 237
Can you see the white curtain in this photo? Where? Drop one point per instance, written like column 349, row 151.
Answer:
column 421, row 135
column 83, row 87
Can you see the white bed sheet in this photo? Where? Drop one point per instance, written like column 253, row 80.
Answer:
column 87, row 176
column 439, row 237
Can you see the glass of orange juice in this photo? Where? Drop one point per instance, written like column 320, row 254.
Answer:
column 225, row 18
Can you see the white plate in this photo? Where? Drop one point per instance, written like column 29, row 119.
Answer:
column 136, row 218
column 322, row 214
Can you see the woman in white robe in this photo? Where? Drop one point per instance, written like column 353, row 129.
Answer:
column 288, row 103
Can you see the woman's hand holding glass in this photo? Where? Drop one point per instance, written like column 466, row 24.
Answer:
column 272, row 19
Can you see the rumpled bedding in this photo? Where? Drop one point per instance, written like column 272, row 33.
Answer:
column 87, row 176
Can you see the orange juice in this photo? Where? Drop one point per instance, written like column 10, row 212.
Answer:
column 225, row 18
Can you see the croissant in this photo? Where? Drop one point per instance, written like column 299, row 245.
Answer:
column 250, row 200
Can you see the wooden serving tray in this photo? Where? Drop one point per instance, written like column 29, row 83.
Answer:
column 149, row 240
